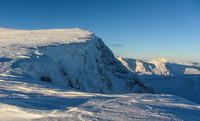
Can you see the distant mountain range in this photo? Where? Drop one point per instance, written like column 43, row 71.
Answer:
column 168, row 76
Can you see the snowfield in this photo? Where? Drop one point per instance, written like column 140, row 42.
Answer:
column 70, row 74
column 30, row 100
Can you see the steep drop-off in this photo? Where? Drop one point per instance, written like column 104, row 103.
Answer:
column 73, row 58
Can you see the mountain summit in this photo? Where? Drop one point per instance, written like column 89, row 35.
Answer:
column 73, row 58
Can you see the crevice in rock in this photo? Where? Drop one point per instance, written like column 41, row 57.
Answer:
column 70, row 83
column 64, row 73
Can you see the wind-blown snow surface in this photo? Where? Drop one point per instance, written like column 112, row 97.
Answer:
column 69, row 60
column 21, row 100
column 169, row 76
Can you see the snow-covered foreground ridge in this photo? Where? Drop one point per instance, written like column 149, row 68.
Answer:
column 73, row 58
column 169, row 76
column 21, row 100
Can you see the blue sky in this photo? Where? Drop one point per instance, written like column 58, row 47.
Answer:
column 141, row 29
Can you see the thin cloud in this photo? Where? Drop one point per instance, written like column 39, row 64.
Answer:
column 117, row 45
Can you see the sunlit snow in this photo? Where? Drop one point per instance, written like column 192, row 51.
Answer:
column 53, row 74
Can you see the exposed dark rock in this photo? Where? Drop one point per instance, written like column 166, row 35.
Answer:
column 46, row 79
column 70, row 83
column 64, row 73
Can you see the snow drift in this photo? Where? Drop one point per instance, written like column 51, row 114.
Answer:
column 73, row 58
column 21, row 100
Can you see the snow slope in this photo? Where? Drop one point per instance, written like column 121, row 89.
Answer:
column 73, row 58
column 169, row 76
column 21, row 100
column 42, row 74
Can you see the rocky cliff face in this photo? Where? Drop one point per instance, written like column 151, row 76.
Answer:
column 73, row 58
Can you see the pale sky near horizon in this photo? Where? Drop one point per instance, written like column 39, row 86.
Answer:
column 140, row 29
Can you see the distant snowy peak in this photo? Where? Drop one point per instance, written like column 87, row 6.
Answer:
column 166, row 60
column 161, row 66
column 5, row 29
column 73, row 58
column 168, row 76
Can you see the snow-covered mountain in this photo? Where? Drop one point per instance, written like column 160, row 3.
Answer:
column 161, row 66
column 168, row 76
column 42, row 74
column 73, row 58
